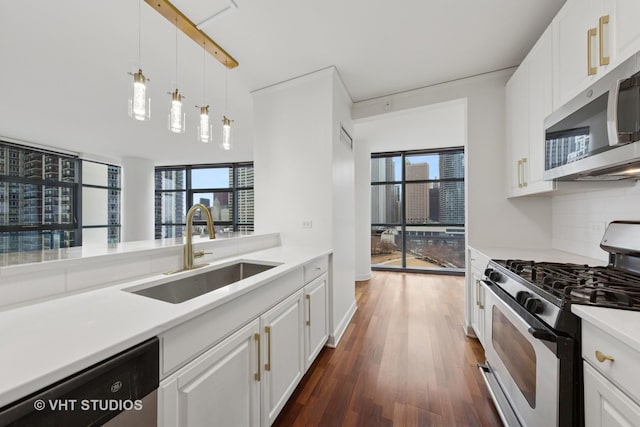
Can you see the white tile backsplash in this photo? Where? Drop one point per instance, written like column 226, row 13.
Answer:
column 580, row 219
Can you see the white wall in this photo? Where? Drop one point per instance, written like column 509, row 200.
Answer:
column 491, row 218
column 343, row 289
column 432, row 126
column 304, row 174
column 292, row 159
column 137, row 199
column 580, row 219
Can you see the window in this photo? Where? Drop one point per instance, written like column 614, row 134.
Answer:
column 100, row 203
column 51, row 200
column 226, row 189
column 38, row 199
column 417, row 209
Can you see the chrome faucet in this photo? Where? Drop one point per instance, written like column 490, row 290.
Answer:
column 189, row 255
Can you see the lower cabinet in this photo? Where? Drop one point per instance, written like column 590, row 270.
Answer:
column 477, row 320
column 605, row 405
column 246, row 379
column 221, row 387
column 611, row 379
column 282, row 357
column 317, row 321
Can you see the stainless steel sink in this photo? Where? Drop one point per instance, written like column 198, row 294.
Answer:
column 190, row 287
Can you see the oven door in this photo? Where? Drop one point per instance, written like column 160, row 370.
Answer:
column 521, row 358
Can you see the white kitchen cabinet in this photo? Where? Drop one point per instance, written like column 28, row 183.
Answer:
column 591, row 37
column 478, row 263
column 517, row 128
column 221, row 387
column 282, row 354
column 626, row 31
column 528, row 102
column 611, row 379
column 605, row 405
column 316, row 323
column 575, row 30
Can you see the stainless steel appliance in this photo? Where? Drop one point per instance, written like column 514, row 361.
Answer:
column 533, row 365
column 596, row 135
column 120, row 391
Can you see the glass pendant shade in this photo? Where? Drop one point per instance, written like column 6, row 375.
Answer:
column 176, row 113
column 139, row 101
column 226, row 133
column 205, row 129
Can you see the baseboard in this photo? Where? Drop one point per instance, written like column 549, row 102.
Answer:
column 336, row 336
column 363, row 277
column 468, row 331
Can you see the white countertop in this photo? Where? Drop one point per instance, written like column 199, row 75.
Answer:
column 45, row 342
column 16, row 259
column 621, row 324
column 538, row 255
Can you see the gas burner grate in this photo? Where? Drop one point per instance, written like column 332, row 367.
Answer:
column 581, row 284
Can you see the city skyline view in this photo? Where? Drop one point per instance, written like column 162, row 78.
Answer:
column 418, row 220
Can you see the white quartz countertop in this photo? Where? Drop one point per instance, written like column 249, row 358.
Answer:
column 538, row 255
column 621, row 324
column 48, row 341
column 31, row 258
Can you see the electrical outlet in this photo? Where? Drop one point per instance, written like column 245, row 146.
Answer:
column 597, row 227
column 307, row 224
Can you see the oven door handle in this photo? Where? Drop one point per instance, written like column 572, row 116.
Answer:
column 543, row 334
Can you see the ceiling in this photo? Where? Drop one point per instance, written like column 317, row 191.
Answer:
column 63, row 67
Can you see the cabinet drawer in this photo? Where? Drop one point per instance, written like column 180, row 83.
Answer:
column 315, row 268
column 623, row 370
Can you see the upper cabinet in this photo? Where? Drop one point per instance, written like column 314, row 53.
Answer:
column 591, row 37
column 586, row 40
column 528, row 102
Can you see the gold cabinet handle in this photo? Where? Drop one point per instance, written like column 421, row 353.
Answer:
column 602, row 357
column 309, row 305
column 267, row 366
column 520, row 173
column 604, row 20
column 256, row 337
column 591, row 33
column 524, row 175
column 478, row 295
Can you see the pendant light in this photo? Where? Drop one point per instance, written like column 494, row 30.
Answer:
column 226, row 122
column 139, row 100
column 205, row 129
column 176, row 113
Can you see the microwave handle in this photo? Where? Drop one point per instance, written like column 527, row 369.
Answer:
column 612, row 113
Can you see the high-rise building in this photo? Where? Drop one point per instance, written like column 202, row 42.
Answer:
column 452, row 192
column 172, row 204
column 245, row 199
column 417, row 194
column 385, row 199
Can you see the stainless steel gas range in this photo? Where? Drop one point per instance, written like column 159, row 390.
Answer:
column 533, row 367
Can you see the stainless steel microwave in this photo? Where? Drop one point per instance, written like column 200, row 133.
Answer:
column 596, row 135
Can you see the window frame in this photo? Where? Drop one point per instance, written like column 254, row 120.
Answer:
column 189, row 192
column 403, row 225
column 42, row 228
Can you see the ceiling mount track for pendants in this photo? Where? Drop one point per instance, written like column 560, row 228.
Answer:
column 184, row 24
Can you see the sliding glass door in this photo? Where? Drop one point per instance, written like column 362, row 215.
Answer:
column 417, row 210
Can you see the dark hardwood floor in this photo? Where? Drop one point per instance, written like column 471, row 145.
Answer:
column 404, row 360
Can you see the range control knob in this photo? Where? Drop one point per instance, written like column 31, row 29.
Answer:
column 522, row 297
column 492, row 275
column 534, row 305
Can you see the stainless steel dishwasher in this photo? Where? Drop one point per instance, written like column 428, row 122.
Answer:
column 119, row 391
